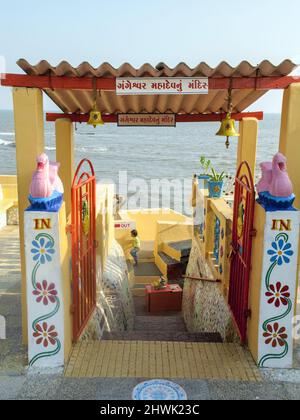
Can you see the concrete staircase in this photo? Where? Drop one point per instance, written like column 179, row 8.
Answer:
column 163, row 329
column 172, row 259
column 170, row 262
column 145, row 273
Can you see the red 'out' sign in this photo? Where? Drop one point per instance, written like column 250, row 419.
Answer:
column 125, row 225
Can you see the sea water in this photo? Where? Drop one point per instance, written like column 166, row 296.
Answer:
column 146, row 154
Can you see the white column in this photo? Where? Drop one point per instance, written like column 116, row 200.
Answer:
column 45, row 288
column 278, row 289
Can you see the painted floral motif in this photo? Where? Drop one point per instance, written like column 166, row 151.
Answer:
column 45, row 334
column 280, row 252
column 222, row 252
column 43, row 250
column 278, row 294
column 45, row 293
column 275, row 335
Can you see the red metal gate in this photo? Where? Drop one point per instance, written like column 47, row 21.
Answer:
column 242, row 234
column 83, row 246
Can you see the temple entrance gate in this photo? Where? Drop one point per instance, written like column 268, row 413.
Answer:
column 83, row 246
column 242, row 234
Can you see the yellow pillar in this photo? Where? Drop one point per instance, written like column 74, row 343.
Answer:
column 65, row 263
column 29, row 130
column 290, row 135
column 247, row 143
column 65, row 156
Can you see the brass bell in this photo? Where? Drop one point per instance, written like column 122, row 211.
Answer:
column 95, row 117
column 228, row 128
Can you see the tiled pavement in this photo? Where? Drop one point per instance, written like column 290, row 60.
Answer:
column 135, row 359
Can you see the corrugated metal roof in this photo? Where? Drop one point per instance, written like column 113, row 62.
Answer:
column 78, row 101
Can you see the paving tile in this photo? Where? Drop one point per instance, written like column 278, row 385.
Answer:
column 109, row 359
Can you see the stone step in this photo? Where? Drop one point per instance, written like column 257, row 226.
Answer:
column 139, row 290
column 159, row 323
column 174, row 269
column 163, row 336
column 146, row 269
column 184, row 247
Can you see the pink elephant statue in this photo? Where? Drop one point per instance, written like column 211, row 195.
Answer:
column 281, row 185
column 266, row 179
column 275, row 179
column 45, row 179
column 54, row 178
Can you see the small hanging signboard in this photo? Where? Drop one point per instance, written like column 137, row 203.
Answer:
column 146, row 120
column 125, row 225
column 162, row 86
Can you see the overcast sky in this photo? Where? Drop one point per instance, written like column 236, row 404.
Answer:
column 158, row 30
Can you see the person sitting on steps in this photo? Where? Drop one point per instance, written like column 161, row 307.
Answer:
column 136, row 246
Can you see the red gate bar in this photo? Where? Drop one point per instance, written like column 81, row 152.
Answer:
column 83, row 248
column 244, row 202
column 180, row 118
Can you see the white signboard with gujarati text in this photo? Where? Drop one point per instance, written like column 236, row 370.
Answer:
column 162, row 86
column 146, row 120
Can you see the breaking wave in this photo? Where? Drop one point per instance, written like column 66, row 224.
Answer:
column 6, row 143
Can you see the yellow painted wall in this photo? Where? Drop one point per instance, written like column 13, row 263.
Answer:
column 289, row 138
column 255, row 279
column 247, row 143
column 290, row 135
column 105, row 221
column 8, row 193
column 65, row 156
column 125, row 240
column 173, row 232
column 29, row 130
column 8, row 188
column 146, row 220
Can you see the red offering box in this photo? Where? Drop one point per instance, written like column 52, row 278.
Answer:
column 165, row 300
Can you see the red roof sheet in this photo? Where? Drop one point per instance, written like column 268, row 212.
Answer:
column 76, row 101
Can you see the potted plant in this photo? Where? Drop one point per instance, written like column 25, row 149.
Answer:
column 205, row 166
column 215, row 184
